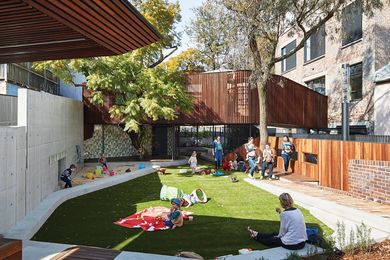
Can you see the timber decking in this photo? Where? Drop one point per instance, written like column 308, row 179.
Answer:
column 86, row 252
column 10, row 249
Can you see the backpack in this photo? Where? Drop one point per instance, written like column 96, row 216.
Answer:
column 241, row 166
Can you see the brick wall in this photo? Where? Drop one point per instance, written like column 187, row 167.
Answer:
column 370, row 180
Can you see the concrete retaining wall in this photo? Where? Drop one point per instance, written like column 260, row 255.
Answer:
column 49, row 137
column 8, row 110
column 12, row 175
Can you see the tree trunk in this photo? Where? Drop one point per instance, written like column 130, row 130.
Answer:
column 262, row 92
column 138, row 141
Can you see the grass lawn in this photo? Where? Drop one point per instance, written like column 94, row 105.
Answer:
column 219, row 227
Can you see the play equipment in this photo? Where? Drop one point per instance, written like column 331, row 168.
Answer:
column 162, row 170
column 156, row 167
column 168, row 193
column 90, row 176
column 141, row 166
column 197, row 195
column 183, row 171
column 218, row 173
column 98, row 170
column 112, row 173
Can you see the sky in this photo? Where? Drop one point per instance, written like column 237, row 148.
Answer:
column 186, row 17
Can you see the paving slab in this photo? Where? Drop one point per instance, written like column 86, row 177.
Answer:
column 277, row 253
column 328, row 207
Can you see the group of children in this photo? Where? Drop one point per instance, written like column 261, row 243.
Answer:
column 263, row 162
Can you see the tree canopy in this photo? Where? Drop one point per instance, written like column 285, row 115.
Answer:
column 143, row 90
column 265, row 21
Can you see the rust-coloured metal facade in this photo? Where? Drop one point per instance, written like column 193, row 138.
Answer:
column 32, row 30
column 227, row 98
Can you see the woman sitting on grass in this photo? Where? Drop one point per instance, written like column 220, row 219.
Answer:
column 292, row 233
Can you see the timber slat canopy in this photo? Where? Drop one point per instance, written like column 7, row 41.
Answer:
column 32, row 30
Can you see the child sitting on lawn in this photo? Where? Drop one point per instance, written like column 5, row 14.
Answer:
column 193, row 162
column 175, row 218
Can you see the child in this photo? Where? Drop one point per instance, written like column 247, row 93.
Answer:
column 65, row 176
column 103, row 161
column 175, row 218
column 193, row 162
column 233, row 164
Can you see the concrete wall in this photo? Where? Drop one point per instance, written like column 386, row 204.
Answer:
column 382, row 109
column 54, row 128
column 8, row 110
column 373, row 50
column 32, row 154
column 12, row 175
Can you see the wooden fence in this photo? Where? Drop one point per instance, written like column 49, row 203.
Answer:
column 328, row 158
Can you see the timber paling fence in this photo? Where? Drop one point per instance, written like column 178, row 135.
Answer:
column 356, row 138
column 325, row 160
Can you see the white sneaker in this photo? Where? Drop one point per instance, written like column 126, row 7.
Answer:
column 250, row 176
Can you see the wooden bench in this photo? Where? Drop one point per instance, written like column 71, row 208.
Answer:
column 10, row 249
column 87, row 252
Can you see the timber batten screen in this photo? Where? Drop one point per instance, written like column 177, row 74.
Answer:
column 33, row 30
column 227, row 98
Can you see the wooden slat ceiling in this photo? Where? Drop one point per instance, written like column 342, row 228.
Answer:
column 33, row 30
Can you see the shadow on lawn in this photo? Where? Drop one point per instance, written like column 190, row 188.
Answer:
column 88, row 220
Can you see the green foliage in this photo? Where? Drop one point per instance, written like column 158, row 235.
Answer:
column 142, row 91
column 217, row 37
column 359, row 239
column 293, row 256
column 187, row 61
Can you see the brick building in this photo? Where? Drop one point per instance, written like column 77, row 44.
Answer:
column 362, row 42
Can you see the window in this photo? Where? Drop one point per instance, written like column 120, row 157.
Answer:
column 290, row 62
column 317, row 84
column 310, row 158
column 315, row 45
column 352, row 22
column 356, row 75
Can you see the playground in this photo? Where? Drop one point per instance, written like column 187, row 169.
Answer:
column 218, row 228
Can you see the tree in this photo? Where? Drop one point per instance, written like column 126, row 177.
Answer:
column 188, row 60
column 142, row 90
column 216, row 38
column 264, row 21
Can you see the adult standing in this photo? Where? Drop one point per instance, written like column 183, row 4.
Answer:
column 251, row 156
column 287, row 150
column 218, row 152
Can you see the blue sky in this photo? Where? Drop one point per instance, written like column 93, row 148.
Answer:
column 186, row 16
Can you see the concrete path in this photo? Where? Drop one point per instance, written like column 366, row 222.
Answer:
column 330, row 207
column 30, row 224
column 33, row 250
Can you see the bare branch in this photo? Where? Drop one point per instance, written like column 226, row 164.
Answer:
column 162, row 58
column 307, row 34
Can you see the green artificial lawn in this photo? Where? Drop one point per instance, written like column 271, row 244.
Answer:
column 218, row 228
